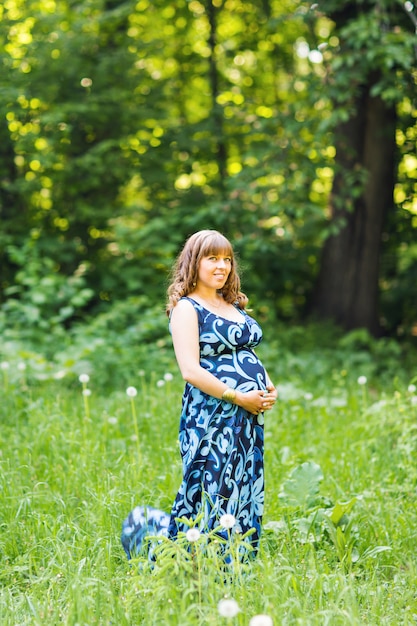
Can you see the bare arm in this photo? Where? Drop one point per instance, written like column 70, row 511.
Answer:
column 185, row 337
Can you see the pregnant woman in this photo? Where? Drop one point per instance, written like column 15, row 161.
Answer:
column 226, row 394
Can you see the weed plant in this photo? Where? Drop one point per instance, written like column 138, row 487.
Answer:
column 340, row 525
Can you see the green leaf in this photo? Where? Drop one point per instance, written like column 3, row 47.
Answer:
column 303, row 484
column 339, row 510
column 370, row 553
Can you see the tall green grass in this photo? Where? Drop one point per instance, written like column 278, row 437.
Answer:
column 72, row 466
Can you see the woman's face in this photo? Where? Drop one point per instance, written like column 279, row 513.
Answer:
column 214, row 270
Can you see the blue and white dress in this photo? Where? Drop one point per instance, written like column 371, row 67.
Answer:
column 221, row 444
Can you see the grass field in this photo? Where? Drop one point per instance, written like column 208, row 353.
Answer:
column 340, row 527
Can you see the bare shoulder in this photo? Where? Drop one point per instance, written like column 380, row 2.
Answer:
column 183, row 311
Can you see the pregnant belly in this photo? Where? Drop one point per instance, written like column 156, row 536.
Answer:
column 241, row 370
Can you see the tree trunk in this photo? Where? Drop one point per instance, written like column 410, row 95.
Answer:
column 362, row 193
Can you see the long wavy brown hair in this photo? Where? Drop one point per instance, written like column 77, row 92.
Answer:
column 185, row 270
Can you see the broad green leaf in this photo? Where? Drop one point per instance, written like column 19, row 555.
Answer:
column 303, row 484
column 339, row 510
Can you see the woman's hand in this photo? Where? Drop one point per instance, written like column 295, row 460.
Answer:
column 257, row 401
column 272, row 392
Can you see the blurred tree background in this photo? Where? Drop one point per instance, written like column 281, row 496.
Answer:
column 127, row 125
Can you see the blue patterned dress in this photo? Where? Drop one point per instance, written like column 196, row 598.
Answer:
column 221, row 444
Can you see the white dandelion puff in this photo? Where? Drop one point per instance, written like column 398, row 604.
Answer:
column 412, row 388
column 131, row 392
column 4, row 365
column 86, row 392
column 21, row 366
column 227, row 521
column 228, row 607
column 83, row 378
column 261, row 620
column 160, row 383
column 193, row 534
column 168, row 377
column 362, row 380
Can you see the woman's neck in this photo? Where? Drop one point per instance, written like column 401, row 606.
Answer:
column 210, row 296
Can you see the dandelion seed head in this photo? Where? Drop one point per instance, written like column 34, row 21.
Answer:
column 60, row 374
column 228, row 607
column 308, row 396
column 414, row 400
column 86, row 392
column 261, row 620
column 112, row 420
column 412, row 388
column 160, row 383
column 84, row 378
column 227, row 521
column 4, row 365
column 86, row 82
column 168, row 377
column 21, row 366
column 131, row 392
column 193, row 534
column 362, row 380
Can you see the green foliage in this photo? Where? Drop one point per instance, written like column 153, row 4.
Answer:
column 120, row 344
column 336, row 545
column 315, row 519
column 41, row 300
column 129, row 338
column 124, row 130
column 374, row 39
column 117, row 346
